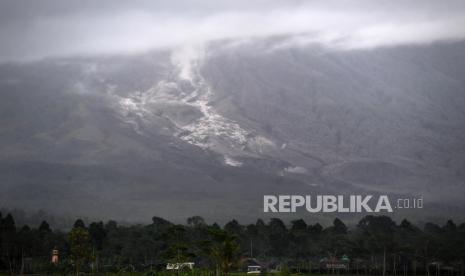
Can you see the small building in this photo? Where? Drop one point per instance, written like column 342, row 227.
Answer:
column 180, row 266
column 254, row 269
column 55, row 256
column 251, row 265
column 334, row 263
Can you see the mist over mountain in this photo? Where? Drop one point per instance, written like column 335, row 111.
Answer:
column 209, row 129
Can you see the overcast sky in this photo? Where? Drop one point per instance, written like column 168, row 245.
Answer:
column 32, row 30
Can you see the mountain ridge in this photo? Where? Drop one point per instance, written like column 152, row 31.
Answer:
column 220, row 126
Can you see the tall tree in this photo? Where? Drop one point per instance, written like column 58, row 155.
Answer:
column 79, row 223
column 8, row 236
column 44, row 227
column 223, row 249
column 80, row 248
column 379, row 232
column 196, row 221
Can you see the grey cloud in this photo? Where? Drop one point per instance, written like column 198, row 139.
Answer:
column 35, row 29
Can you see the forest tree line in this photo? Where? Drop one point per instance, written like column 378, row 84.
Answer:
column 376, row 245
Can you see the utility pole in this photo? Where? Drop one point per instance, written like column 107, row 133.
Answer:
column 251, row 248
column 384, row 261
column 179, row 262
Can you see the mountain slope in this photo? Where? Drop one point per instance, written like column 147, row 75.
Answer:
column 210, row 130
